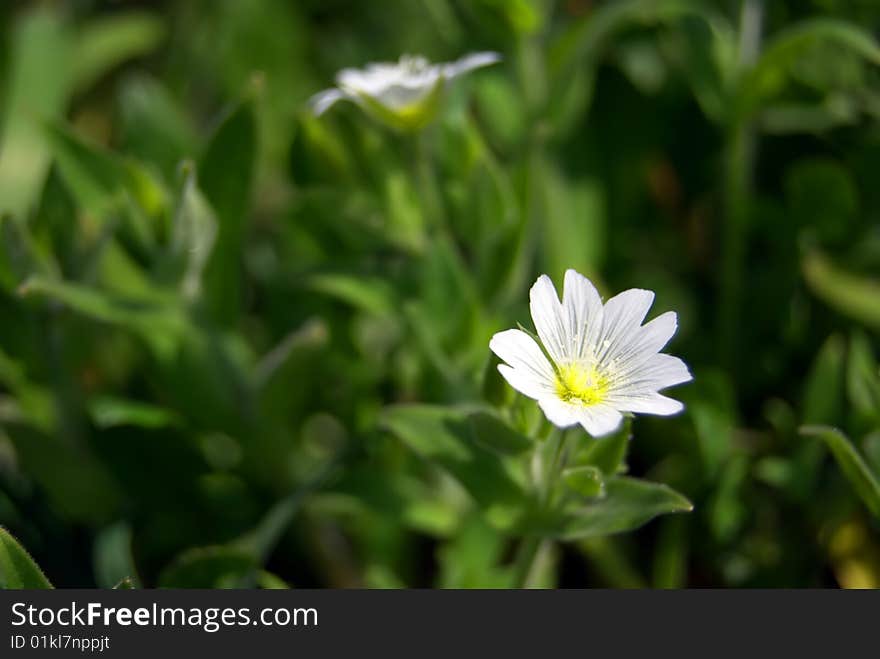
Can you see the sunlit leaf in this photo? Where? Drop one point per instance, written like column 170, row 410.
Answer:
column 37, row 88
column 628, row 504
column 125, row 584
column 109, row 411
column 852, row 295
column 17, row 569
column 586, row 480
column 105, row 43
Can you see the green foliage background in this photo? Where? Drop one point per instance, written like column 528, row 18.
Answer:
column 217, row 312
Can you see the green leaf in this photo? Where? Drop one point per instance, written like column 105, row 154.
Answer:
column 582, row 45
column 105, row 184
column 493, row 433
column 824, row 388
column 34, row 401
column 628, row 504
column 110, row 411
column 726, row 511
column 17, row 569
column 154, row 127
column 20, row 255
column 209, row 567
column 768, row 76
column 105, row 43
column 852, row 295
column 53, row 225
column 78, row 485
column 369, row 294
column 443, row 436
column 607, row 453
column 712, row 408
column 268, row 581
column 37, row 87
column 226, row 172
column 113, row 559
column 863, row 377
column 405, row 218
column 94, row 175
column 851, row 464
column 472, row 558
column 318, row 155
column 193, row 235
column 495, row 389
column 671, row 554
column 573, row 223
column 871, row 446
column 586, row 480
column 159, row 323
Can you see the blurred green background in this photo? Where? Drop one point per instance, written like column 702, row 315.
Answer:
column 208, row 297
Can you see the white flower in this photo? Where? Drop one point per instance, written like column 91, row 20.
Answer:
column 602, row 360
column 404, row 94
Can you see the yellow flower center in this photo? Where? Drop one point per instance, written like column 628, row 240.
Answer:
column 580, row 383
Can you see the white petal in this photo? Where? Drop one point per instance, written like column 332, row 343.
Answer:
column 560, row 413
column 370, row 80
column 652, row 403
column 528, row 370
column 582, row 309
column 665, row 371
column 656, row 334
column 549, row 319
column 646, row 342
column 525, row 382
column 659, row 372
column 401, row 96
column 469, row 63
column 622, row 316
column 323, row 100
column 599, row 420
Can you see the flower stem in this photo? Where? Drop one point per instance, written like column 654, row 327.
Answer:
column 525, row 560
column 427, row 184
column 530, row 546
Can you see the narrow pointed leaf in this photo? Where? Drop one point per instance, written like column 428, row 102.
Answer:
column 857, row 472
column 226, row 172
column 17, row 568
column 850, row 294
column 628, row 504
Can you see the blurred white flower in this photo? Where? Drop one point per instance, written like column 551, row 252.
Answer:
column 405, row 94
column 600, row 360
